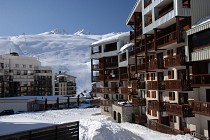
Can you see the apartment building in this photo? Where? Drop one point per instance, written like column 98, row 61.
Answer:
column 65, row 84
column 160, row 52
column 105, row 71
column 20, row 75
column 199, row 62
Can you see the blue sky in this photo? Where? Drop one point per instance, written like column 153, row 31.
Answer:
column 37, row 16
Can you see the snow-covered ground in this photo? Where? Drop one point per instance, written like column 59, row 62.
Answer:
column 92, row 125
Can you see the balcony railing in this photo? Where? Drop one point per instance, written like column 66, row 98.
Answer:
column 155, row 64
column 155, row 105
column 141, row 67
column 111, row 64
column 124, row 90
column 178, row 60
column 140, row 49
column 166, row 39
column 138, row 101
column 179, row 110
column 177, row 85
column 201, row 79
column 164, row 11
column 106, row 103
column 152, row 85
column 199, row 107
column 140, row 119
column 163, row 128
column 105, row 90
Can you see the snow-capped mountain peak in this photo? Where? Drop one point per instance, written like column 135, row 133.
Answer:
column 82, row 32
column 56, row 31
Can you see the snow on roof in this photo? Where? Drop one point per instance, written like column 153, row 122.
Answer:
column 201, row 25
column 112, row 38
column 126, row 46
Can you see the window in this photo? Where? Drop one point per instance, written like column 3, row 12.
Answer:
column 30, row 66
column 152, row 76
column 186, row 3
column 171, row 74
column 24, row 66
column 172, row 96
column 148, row 77
column 25, row 72
column 18, row 72
column 106, row 109
column 148, row 93
column 153, row 94
column 17, row 65
column 170, row 52
column 172, row 118
column 154, row 113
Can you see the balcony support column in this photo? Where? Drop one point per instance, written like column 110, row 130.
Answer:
column 146, row 53
column 135, row 39
column 155, row 39
column 178, row 29
column 104, row 70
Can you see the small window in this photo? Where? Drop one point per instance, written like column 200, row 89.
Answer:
column 17, row 65
column 172, row 118
column 186, row 3
column 148, row 77
column 171, row 74
column 152, row 76
column 106, row 109
column 30, row 66
column 172, row 96
column 153, row 94
column 24, row 66
column 148, row 93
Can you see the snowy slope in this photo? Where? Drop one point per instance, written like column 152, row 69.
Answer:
column 92, row 127
column 57, row 48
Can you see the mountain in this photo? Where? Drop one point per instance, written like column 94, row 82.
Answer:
column 62, row 51
column 82, row 32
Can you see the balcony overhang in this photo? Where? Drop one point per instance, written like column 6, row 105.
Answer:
column 137, row 8
column 199, row 28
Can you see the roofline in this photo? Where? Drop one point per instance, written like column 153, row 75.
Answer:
column 132, row 12
column 198, row 28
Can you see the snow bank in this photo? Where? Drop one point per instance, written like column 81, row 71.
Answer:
column 92, row 125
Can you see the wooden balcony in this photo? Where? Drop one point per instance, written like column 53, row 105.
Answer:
column 140, row 49
column 155, row 105
column 150, row 44
column 141, row 67
column 140, row 119
column 124, row 76
column 202, row 108
column 111, row 64
column 201, row 80
column 95, row 102
column 163, row 128
column 177, row 60
column 106, row 103
column 152, row 85
column 124, row 90
column 155, row 64
column 166, row 39
column 105, row 90
column 164, row 11
column 138, row 101
column 179, row 110
column 177, row 85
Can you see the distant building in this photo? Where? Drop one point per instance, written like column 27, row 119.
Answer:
column 20, row 75
column 65, row 84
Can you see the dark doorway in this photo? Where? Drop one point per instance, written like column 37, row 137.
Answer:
column 207, row 95
column 183, row 98
column 119, row 118
column 114, row 115
column 209, row 127
column 161, row 82
column 160, row 60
